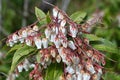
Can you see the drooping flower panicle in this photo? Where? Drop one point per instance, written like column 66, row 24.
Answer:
column 62, row 43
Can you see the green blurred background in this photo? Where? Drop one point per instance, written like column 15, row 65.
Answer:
column 15, row 14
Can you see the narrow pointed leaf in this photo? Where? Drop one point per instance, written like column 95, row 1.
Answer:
column 40, row 16
column 21, row 52
column 53, row 72
column 78, row 16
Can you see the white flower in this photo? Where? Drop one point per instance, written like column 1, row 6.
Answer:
column 63, row 22
column 10, row 43
column 38, row 42
column 61, row 53
column 79, row 76
column 60, row 16
column 32, row 65
column 63, row 30
column 99, row 74
column 67, row 61
column 78, row 68
column 25, row 65
column 71, row 45
column 47, row 33
column 45, row 42
column 58, row 58
column 75, row 60
column 70, row 70
column 64, row 43
column 57, row 42
column 89, row 53
column 28, row 42
column 52, row 37
column 21, row 39
column 53, row 52
column 24, row 33
column 86, row 76
column 74, row 77
column 55, row 12
column 15, row 38
column 56, row 30
column 20, row 68
column 69, row 77
column 31, row 32
column 90, row 68
column 35, row 28
column 73, row 31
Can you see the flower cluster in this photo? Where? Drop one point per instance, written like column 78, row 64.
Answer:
column 62, row 43
column 24, row 35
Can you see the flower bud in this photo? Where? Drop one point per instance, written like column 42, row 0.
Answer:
column 45, row 42
column 71, row 45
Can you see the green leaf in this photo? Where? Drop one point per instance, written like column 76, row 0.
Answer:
column 78, row 16
column 14, row 48
column 48, row 18
column 21, row 52
column 106, row 48
column 105, row 44
column 53, row 72
column 91, row 37
column 38, row 56
column 111, row 76
column 40, row 16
